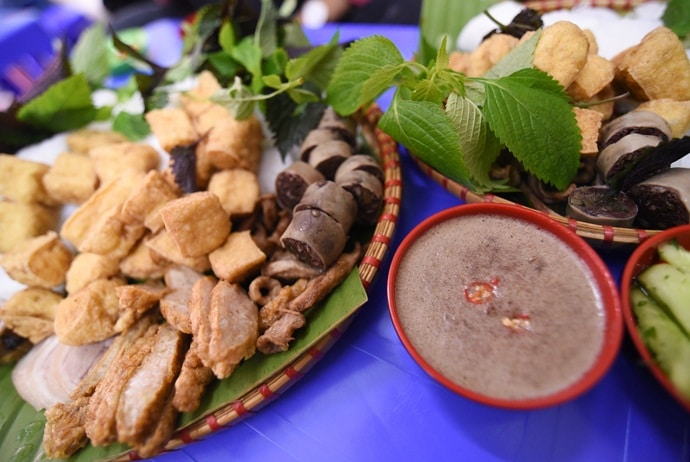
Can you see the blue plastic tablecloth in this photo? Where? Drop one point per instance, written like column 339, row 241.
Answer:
column 367, row 400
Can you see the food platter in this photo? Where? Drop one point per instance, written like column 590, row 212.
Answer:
column 596, row 234
column 264, row 377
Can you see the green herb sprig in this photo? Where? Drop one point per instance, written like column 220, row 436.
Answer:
column 458, row 124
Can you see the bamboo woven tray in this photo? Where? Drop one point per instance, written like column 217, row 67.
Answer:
column 238, row 409
column 597, row 235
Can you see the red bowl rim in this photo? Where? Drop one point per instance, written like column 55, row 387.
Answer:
column 632, row 267
column 613, row 330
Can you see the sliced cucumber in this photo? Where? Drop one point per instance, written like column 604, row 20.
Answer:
column 670, row 288
column 667, row 343
column 677, row 255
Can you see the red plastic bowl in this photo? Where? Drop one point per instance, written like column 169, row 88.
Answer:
column 643, row 256
column 602, row 283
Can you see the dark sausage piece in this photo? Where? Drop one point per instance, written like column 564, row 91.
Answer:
column 314, row 237
column 367, row 191
column 332, row 199
column 293, row 181
column 328, row 156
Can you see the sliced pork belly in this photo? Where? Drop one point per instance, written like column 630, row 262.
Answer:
column 50, row 372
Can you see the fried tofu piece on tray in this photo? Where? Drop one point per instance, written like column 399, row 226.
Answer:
column 31, row 313
column 41, row 261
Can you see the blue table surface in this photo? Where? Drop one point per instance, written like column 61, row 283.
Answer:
column 367, row 400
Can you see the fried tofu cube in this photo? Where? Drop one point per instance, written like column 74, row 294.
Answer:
column 148, row 196
column 30, row 312
column 82, row 141
column 656, row 68
column 206, row 120
column 88, row 315
column 589, row 122
column 112, row 236
column 172, row 127
column 21, row 180
column 676, row 113
column 41, row 261
column 166, row 251
column 238, row 258
column 237, row 189
column 104, row 203
column 597, row 73
column 111, row 160
column 459, row 61
column 607, row 107
column 141, row 264
column 235, row 143
column 71, row 179
column 196, row 223
column 87, row 267
column 562, row 51
column 19, row 222
column 489, row 52
column 196, row 101
column 592, row 39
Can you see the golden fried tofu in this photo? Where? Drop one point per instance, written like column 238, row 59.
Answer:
column 459, row 61
column 88, row 267
column 82, row 141
column 592, row 39
column 589, row 122
column 30, row 312
column 562, row 51
column 597, row 73
column 141, row 264
column 196, row 223
column 21, row 180
column 489, row 52
column 206, row 120
column 676, row 113
column 105, row 203
column 238, row 190
column 204, row 167
column 238, row 258
column 196, row 101
column 19, row 222
column 41, row 261
column 172, row 127
column 112, row 236
column 111, row 160
column 235, row 143
column 607, row 107
column 148, row 196
column 166, row 250
column 88, row 315
column 71, row 179
column 656, row 68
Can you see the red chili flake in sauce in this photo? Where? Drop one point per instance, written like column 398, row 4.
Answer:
column 481, row 292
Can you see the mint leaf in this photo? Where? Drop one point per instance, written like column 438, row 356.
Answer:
column 426, row 131
column 478, row 144
column 536, row 123
column 316, row 65
column 90, row 55
column 248, row 54
column 677, row 17
column 133, row 126
column 64, row 106
column 366, row 69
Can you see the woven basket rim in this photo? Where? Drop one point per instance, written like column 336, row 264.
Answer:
column 376, row 250
column 597, row 235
